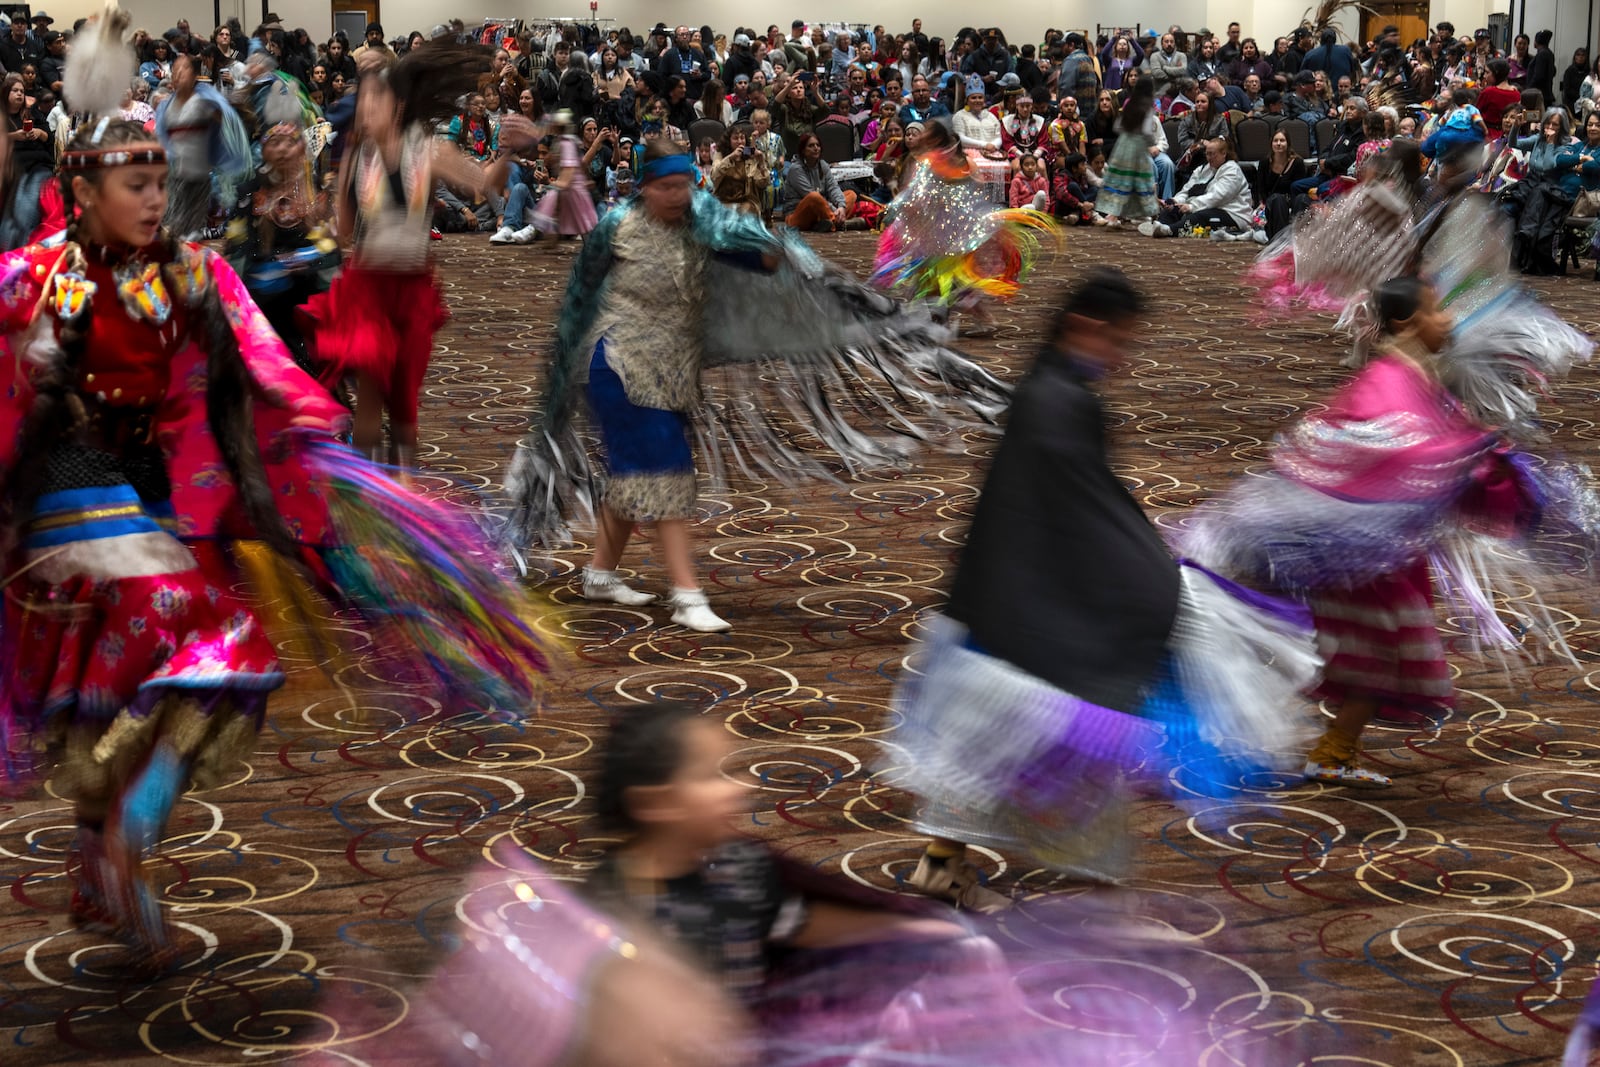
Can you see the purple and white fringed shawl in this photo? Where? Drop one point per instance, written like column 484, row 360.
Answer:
column 1005, row 760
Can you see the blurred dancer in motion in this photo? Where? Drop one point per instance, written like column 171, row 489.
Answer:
column 692, row 946
column 377, row 321
column 156, row 441
column 656, row 346
column 1361, row 496
column 946, row 241
column 137, row 663
column 279, row 238
column 1024, row 714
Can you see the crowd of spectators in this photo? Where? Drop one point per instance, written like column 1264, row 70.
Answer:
column 1251, row 132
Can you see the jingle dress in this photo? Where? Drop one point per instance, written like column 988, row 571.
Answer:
column 945, row 240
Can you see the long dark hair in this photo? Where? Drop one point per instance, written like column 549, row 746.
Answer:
column 1397, row 299
column 429, row 79
column 1140, row 102
column 57, row 409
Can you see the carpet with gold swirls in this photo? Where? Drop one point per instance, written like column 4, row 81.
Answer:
column 1452, row 920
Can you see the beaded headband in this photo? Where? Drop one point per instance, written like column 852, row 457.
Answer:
column 117, row 156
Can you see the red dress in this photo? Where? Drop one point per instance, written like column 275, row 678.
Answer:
column 120, row 622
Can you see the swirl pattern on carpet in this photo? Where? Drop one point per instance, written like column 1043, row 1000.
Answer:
column 1451, row 920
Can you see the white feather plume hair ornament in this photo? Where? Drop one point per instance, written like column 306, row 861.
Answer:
column 100, row 65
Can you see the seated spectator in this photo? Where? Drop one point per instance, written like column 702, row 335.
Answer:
column 798, row 108
column 1272, row 108
column 157, row 65
column 1253, row 94
column 705, row 161
column 1101, row 128
column 1096, row 172
column 1022, row 133
column 1203, row 123
column 891, row 143
column 713, row 104
column 1506, row 163
column 1275, row 178
column 888, row 112
column 1030, row 188
column 811, row 197
column 978, row 131
column 1541, row 201
column 1464, row 124
column 922, row 106
column 1339, row 157
column 1179, row 100
column 1586, row 154
column 1072, row 191
column 741, row 177
column 1216, row 198
column 1068, row 134
column 1304, row 104
column 655, row 124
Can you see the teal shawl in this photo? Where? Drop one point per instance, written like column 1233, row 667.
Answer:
column 796, row 358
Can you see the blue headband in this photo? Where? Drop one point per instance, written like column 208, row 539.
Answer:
column 665, row 166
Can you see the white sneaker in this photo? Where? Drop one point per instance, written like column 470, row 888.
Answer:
column 1113, row 222
column 525, row 236
column 1258, row 236
column 690, row 610
column 1100, row 220
column 1147, row 228
column 606, row 587
column 956, row 880
column 505, row 235
column 1157, row 229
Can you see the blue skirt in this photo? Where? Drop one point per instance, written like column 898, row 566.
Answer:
column 648, row 459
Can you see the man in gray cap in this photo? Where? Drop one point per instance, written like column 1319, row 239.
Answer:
column 1070, row 79
column 41, row 25
column 741, row 60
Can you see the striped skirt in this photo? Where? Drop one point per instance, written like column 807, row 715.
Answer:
column 1130, row 185
column 1382, row 640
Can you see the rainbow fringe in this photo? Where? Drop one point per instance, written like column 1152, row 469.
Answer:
column 418, row 566
column 945, row 278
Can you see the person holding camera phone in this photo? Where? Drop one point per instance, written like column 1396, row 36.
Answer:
column 741, row 177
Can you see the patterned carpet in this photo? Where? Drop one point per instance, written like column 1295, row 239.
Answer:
column 1452, row 920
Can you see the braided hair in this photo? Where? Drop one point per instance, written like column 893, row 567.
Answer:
column 58, row 411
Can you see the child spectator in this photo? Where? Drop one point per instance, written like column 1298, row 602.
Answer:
column 1463, row 125
column 1030, row 188
column 1072, row 192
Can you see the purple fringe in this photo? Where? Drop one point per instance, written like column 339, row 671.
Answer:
column 1287, row 610
column 1094, row 742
